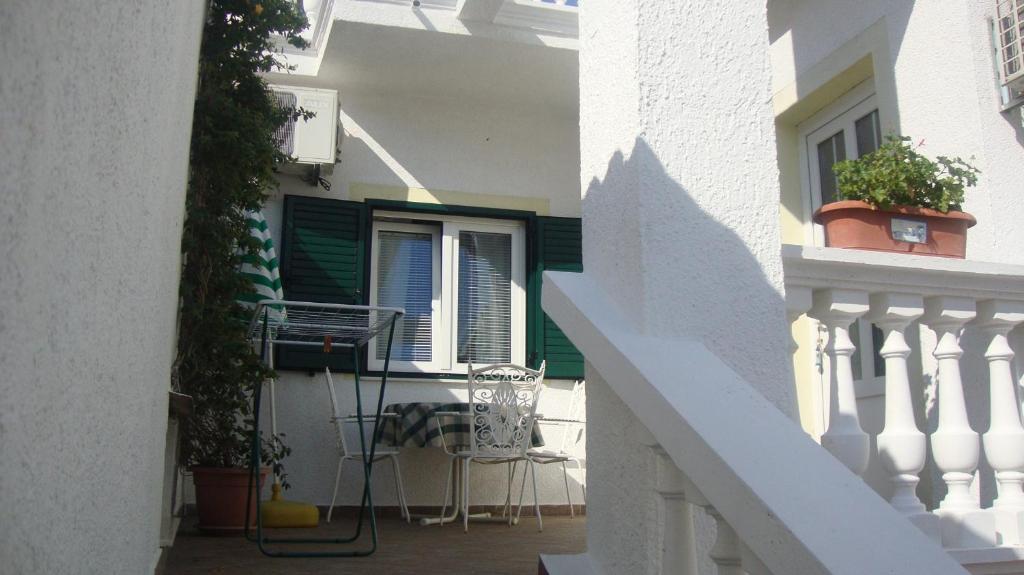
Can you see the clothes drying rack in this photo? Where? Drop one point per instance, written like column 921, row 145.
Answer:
column 327, row 326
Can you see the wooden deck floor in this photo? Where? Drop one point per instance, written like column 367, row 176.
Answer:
column 404, row 549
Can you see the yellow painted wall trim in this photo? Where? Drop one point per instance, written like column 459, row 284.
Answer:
column 864, row 56
column 795, row 103
column 360, row 192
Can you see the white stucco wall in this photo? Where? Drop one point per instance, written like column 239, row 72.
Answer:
column 680, row 200
column 94, row 133
column 936, row 82
column 456, row 145
column 481, row 151
column 939, row 63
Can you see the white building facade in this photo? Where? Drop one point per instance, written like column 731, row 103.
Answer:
column 94, row 132
column 689, row 138
column 453, row 119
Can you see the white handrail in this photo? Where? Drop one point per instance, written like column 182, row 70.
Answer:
column 794, row 506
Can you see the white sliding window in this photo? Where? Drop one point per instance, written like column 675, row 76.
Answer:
column 462, row 283
column 849, row 128
column 406, row 273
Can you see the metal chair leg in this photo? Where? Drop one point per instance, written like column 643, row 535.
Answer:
column 465, row 495
column 583, row 479
column 536, row 499
column 334, row 496
column 522, row 490
column 402, row 505
column 508, row 490
column 447, row 491
column 568, row 496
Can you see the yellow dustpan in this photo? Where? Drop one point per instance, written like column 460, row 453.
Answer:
column 281, row 513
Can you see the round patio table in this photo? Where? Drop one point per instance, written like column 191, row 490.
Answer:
column 416, row 426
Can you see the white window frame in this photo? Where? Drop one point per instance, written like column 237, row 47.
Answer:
column 436, row 362
column 840, row 115
column 444, row 307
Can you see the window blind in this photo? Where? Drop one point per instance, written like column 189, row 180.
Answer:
column 484, row 298
column 405, row 270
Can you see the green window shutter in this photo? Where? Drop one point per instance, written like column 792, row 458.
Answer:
column 322, row 260
column 557, row 246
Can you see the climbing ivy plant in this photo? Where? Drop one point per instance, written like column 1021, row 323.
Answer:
column 232, row 159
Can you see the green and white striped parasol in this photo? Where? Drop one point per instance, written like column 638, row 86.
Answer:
column 261, row 267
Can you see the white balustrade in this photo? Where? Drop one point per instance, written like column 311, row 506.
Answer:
column 956, row 447
column 726, row 553
column 948, row 297
column 781, row 504
column 901, row 445
column 798, row 302
column 844, row 438
column 678, row 497
column 1004, row 440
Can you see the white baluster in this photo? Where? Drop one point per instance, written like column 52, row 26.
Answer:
column 1004, row 440
column 901, row 445
column 844, row 438
column 798, row 302
column 678, row 496
column 955, row 446
column 726, row 553
column 752, row 563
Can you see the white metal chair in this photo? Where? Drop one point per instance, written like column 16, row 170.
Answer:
column 502, row 406
column 572, row 428
column 346, row 453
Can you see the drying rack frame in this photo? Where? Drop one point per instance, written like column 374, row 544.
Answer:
column 327, row 325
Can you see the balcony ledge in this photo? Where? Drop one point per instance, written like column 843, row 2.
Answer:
column 817, row 267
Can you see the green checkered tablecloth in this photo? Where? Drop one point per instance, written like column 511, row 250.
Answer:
column 416, row 426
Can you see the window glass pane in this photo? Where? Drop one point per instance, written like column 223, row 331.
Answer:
column 869, row 134
column 404, row 279
column 485, row 298
column 877, row 341
column 830, row 151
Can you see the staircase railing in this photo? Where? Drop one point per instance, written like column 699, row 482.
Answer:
column 782, row 503
column 924, row 327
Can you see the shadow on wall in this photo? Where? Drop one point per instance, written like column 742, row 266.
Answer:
column 677, row 271
column 815, row 29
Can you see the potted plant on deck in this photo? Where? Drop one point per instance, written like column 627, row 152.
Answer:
column 231, row 167
column 895, row 199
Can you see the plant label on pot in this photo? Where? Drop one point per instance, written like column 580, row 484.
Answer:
column 911, row 231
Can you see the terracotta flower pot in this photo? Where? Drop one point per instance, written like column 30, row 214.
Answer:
column 220, row 499
column 920, row 231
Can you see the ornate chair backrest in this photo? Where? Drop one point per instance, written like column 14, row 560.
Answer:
column 577, row 404
column 502, row 403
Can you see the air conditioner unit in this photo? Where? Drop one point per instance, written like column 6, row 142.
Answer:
column 1010, row 30
column 311, row 142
